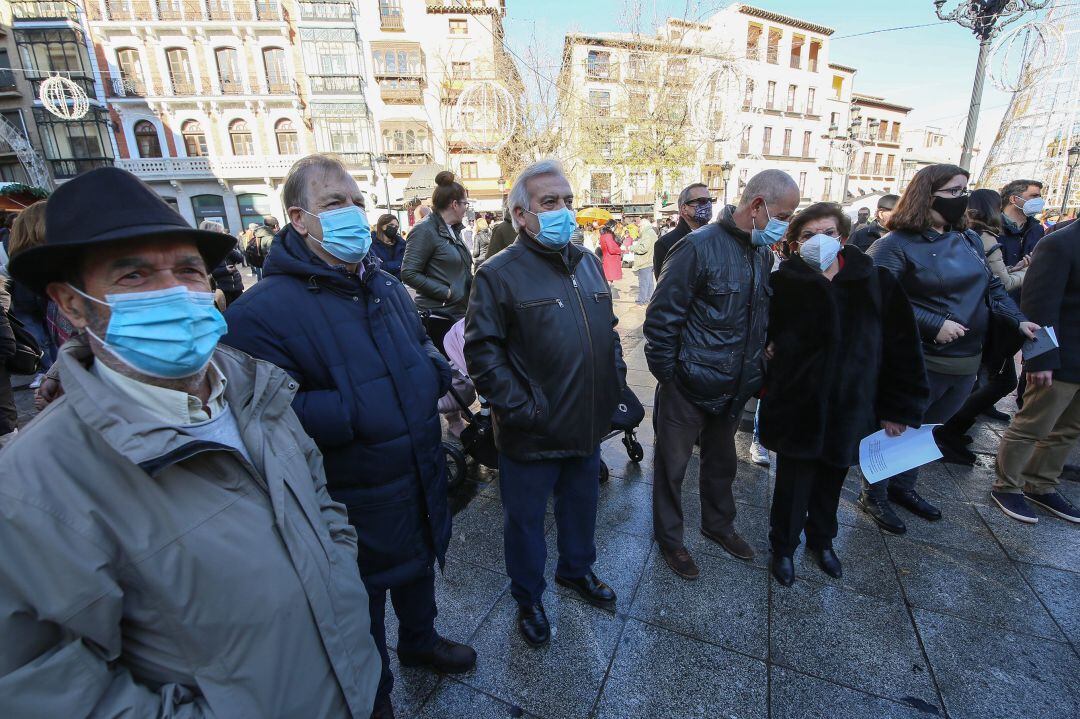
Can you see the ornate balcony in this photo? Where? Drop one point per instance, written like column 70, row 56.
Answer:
column 228, row 168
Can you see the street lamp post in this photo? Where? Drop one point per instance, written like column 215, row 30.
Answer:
column 725, row 175
column 848, row 143
column 985, row 19
column 1073, row 163
column 502, row 189
column 382, row 163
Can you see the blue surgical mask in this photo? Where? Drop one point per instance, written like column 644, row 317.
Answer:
column 170, row 334
column 556, row 227
column 820, row 251
column 346, row 233
column 1033, row 206
column 773, row 232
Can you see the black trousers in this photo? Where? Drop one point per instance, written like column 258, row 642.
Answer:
column 8, row 414
column 414, row 604
column 806, row 495
column 994, row 383
column 679, row 423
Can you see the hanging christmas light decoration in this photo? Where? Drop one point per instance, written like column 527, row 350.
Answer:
column 1023, row 55
column 715, row 107
column 484, row 116
column 63, row 97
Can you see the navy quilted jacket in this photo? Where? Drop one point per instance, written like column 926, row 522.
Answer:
column 370, row 380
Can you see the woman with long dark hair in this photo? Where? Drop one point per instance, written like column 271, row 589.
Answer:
column 844, row 362
column 953, row 294
column 998, row 371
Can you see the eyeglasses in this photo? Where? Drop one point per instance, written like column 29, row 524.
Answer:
column 954, row 191
column 700, row 202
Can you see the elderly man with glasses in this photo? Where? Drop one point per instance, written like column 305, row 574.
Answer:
column 695, row 210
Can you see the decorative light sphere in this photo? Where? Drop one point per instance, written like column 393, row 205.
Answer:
column 1021, row 56
column 484, row 116
column 715, row 107
column 63, row 97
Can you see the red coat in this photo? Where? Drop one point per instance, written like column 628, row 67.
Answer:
column 613, row 252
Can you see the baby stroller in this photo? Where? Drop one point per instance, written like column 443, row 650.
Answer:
column 478, row 437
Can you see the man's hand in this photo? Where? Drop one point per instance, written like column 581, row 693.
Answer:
column 893, row 429
column 1040, row 379
column 1028, row 329
column 770, row 351
column 49, row 391
column 1024, row 262
column 950, row 331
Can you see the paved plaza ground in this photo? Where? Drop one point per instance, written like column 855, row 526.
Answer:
column 973, row 617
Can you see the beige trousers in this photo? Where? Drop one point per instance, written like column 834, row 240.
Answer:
column 1034, row 448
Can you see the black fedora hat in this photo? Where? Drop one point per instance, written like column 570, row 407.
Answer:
column 103, row 206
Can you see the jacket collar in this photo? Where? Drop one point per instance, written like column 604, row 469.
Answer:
column 292, row 256
column 727, row 221
column 566, row 258
column 255, row 391
column 857, row 267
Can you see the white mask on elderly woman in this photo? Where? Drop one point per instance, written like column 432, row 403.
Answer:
column 820, row 251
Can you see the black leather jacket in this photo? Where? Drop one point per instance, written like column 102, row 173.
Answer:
column 438, row 265
column 946, row 278
column 541, row 347
column 705, row 326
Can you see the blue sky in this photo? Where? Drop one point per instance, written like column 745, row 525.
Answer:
column 930, row 68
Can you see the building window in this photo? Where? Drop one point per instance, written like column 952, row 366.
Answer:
column 748, row 95
column 146, row 139
column 744, row 175
column 744, row 144
column 228, row 66
column 889, row 164
column 810, row 101
column 877, row 163
column 179, row 71
column 766, row 141
column 194, row 139
column 895, row 132
column 883, row 131
column 240, row 138
column 130, row 81
column 637, row 67
column 864, row 169
column 600, row 188
column 459, row 26
column 277, row 72
column 343, row 128
column 390, row 15
column 815, row 51
column 787, row 142
column 253, row 207
column 209, row 208
column 332, row 60
column 598, row 64
column 288, row 143
column 470, row 170
column 7, row 77
column 601, row 102
column 806, row 143
column 838, row 87
column 772, row 54
column 770, row 96
column 42, row 52
column 753, row 42
column 802, row 184
column 460, row 70
column 791, row 90
column 826, row 193
column 74, row 146
column 834, row 121
column 796, row 51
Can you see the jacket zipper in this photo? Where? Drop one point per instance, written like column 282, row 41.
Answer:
column 592, row 363
column 540, row 303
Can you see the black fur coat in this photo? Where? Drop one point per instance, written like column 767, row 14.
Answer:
column 847, row 355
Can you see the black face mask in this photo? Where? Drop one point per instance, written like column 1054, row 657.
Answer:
column 391, row 232
column 952, row 209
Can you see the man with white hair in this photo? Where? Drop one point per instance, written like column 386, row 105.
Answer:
column 705, row 340
column 540, row 345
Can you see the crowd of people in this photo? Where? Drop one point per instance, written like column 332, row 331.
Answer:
column 227, row 485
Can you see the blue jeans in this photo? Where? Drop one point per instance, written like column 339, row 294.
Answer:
column 525, row 488
column 646, row 285
column 757, row 417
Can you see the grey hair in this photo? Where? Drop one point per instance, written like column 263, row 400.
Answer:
column 294, row 191
column 771, row 185
column 685, row 194
column 211, row 226
column 519, row 193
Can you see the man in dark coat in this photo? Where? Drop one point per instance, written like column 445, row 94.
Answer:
column 871, row 233
column 1034, row 448
column 502, row 236
column 540, row 345
column 695, row 210
column 369, row 380
column 704, row 342
column 1021, row 200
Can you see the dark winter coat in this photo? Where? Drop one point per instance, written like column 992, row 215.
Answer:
column 389, row 255
column 370, row 380
column 1018, row 241
column 866, row 235
column 946, row 277
column 666, row 242
column 227, row 275
column 438, row 265
column 847, row 356
column 1052, row 299
column 541, row 347
column 502, row 236
column 705, row 325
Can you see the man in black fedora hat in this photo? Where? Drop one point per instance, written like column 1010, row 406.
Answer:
column 170, row 548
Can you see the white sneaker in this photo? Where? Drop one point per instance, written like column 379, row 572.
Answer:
column 38, row 379
column 759, row 455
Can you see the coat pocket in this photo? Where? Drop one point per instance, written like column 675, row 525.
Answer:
column 705, row 372
column 389, row 522
column 722, row 302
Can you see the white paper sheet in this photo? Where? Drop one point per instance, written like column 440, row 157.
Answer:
column 882, row 456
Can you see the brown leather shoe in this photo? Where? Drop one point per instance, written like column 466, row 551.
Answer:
column 735, row 545
column 681, row 563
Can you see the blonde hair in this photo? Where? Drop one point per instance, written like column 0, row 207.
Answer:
column 28, row 229
column 211, row 226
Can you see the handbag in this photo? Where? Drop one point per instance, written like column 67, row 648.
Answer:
column 28, row 354
column 1002, row 341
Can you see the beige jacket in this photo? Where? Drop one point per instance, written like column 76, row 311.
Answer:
column 995, row 259
column 147, row 573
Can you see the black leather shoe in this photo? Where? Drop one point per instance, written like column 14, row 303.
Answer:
column 783, row 569
column 591, row 589
column 881, row 512
column 953, row 453
column 446, row 656
column 910, row 500
column 995, row 414
column 533, row 623
column 829, row 562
